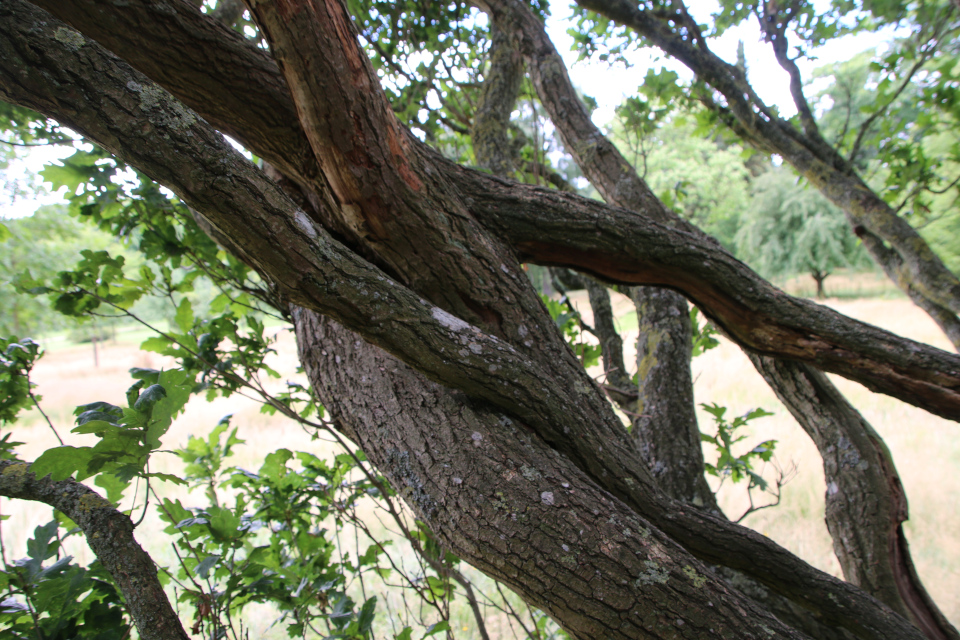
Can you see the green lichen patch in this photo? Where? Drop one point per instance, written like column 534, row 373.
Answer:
column 69, row 38
column 697, row 579
column 530, row 473
column 92, row 501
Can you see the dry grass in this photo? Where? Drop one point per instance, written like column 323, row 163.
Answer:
column 925, row 448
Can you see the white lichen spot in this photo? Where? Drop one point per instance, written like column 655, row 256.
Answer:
column 832, row 488
column 581, row 388
column 530, row 473
column 134, row 86
column 457, row 480
column 476, row 436
column 476, row 348
column 522, row 330
column 492, row 368
column 449, row 320
column 171, row 113
column 69, row 38
column 503, row 268
column 654, row 574
column 565, row 547
column 305, row 224
column 547, row 498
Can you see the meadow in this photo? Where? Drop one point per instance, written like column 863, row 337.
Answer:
column 925, row 448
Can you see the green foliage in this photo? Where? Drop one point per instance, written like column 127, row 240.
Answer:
column 126, row 436
column 17, row 359
column 703, row 334
column 59, row 600
column 728, row 464
column 703, row 179
column 792, row 229
column 568, row 321
column 293, row 499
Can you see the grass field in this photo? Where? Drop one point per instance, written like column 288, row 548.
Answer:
column 926, row 449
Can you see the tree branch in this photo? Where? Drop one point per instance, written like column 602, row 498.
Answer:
column 110, row 535
column 865, row 502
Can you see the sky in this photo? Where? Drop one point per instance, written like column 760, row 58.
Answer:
column 607, row 84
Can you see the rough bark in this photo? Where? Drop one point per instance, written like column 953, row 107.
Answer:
column 665, row 424
column 676, row 33
column 865, row 502
column 59, row 72
column 523, row 514
column 631, row 250
column 501, row 87
column 110, row 535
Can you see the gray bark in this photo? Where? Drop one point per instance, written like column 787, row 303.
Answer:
column 110, row 535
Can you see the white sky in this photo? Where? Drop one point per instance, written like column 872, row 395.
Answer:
column 609, row 85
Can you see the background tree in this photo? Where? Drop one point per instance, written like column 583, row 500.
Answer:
column 924, row 62
column 789, row 229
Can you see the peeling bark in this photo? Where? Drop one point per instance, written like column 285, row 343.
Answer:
column 110, row 535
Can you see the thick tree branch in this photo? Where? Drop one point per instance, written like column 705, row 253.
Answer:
column 768, row 341
column 110, row 535
column 623, row 247
column 526, row 516
column 865, row 502
column 501, row 88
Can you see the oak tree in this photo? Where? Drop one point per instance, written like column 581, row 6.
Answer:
column 402, row 273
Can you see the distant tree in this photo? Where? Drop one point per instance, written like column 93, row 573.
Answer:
column 41, row 244
column 704, row 179
column 791, row 229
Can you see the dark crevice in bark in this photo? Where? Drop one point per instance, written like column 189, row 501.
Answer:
column 865, row 502
column 110, row 536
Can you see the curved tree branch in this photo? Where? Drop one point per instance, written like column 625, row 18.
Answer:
column 821, row 164
column 865, row 502
column 110, row 535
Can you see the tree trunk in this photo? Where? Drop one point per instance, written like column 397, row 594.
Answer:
column 819, row 277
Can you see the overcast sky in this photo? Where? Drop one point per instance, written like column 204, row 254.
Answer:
column 609, row 85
